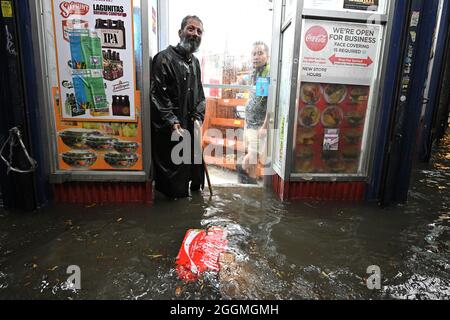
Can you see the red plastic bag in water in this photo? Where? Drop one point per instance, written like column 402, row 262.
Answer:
column 200, row 252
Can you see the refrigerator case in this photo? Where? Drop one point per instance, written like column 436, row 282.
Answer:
column 338, row 77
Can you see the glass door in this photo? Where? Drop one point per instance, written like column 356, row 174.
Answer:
column 236, row 90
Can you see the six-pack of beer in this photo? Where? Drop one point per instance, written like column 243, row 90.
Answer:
column 112, row 65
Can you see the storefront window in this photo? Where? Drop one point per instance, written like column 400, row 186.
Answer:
column 338, row 73
column 94, row 61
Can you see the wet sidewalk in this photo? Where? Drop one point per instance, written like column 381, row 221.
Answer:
column 311, row 250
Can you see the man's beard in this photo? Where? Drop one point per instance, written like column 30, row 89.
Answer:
column 190, row 44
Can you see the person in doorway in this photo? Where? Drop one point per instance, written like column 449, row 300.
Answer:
column 256, row 119
column 177, row 102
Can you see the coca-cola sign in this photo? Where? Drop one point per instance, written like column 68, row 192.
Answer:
column 70, row 8
column 316, row 38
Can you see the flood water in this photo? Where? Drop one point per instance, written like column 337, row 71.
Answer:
column 310, row 250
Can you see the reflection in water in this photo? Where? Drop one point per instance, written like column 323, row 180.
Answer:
column 277, row 250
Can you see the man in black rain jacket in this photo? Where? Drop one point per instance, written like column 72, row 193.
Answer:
column 177, row 101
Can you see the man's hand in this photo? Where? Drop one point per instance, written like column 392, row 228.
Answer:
column 195, row 120
column 177, row 127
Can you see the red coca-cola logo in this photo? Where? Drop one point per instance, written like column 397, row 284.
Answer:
column 69, row 8
column 316, row 38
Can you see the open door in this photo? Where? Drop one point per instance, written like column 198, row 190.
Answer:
column 232, row 28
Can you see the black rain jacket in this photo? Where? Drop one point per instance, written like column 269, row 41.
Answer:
column 176, row 97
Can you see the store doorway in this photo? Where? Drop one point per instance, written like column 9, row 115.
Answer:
column 232, row 30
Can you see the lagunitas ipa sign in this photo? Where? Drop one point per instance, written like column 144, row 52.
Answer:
column 316, row 38
column 112, row 33
column 94, row 37
column 96, row 99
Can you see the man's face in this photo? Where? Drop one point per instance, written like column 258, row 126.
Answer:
column 191, row 35
column 259, row 56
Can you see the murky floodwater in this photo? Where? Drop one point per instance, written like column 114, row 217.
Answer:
column 307, row 250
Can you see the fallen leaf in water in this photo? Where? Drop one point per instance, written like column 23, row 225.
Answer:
column 154, row 256
column 178, row 291
column 119, row 220
column 53, row 269
column 324, row 274
column 27, row 284
column 91, row 205
column 68, row 223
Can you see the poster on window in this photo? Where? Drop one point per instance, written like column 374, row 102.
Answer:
column 364, row 5
column 339, row 63
column 339, row 52
column 330, row 128
column 373, row 6
column 97, row 146
column 95, row 55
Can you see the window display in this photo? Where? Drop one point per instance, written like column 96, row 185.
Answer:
column 96, row 100
column 331, row 120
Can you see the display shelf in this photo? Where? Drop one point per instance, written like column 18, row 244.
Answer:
column 220, row 162
column 221, row 114
column 230, row 123
column 226, row 143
